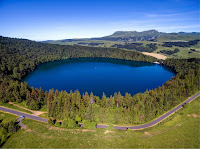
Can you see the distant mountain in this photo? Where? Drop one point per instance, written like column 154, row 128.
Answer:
column 135, row 33
column 132, row 36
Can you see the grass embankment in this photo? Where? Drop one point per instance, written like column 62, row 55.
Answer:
column 181, row 130
column 24, row 108
column 11, row 106
column 7, row 117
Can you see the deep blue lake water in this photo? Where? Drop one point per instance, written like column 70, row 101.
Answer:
column 99, row 75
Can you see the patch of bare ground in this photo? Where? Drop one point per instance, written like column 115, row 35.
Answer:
column 86, row 130
column 159, row 56
column 107, row 131
column 28, row 130
column 147, row 134
column 24, row 127
column 197, row 52
column 81, row 130
column 35, row 113
column 193, row 115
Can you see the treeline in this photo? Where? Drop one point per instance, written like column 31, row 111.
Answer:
column 168, row 52
column 183, row 65
column 19, row 56
column 116, row 109
column 137, row 46
column 181, row 44
column 128, row 45
column 90, row 44
column 193, row 50
column 15, row 91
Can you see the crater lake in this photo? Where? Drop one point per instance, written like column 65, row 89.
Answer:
column 99, row 75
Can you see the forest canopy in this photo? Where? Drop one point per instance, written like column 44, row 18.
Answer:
column 19, row 57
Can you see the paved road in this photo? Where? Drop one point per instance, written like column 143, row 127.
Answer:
column 23, row 114
column 156, row 121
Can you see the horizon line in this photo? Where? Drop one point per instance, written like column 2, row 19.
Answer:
column 98, row 36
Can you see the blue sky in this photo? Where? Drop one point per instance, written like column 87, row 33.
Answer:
column 61, row 19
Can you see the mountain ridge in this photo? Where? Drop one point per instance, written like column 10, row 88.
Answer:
column 131, row 36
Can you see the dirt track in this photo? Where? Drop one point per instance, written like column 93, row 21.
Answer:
column 35, row 113
column 159, row 56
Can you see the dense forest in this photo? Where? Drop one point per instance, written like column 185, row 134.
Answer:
column 169, row 52
column 19, row 57
column 181, row 44
column 137, row 46
column 90, row 44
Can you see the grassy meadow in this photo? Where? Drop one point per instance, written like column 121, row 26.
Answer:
column 181, row 130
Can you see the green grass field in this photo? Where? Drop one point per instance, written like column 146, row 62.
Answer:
column 181, row 130
column 179, row 37
column 184, row 52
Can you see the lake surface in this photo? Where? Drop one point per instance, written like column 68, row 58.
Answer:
column 99, row 75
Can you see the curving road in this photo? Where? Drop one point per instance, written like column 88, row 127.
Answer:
column 22, row 114
column 156, row 121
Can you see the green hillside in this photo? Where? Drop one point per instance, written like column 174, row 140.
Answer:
column 126, row 39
